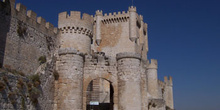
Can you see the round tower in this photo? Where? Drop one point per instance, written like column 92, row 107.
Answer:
column 129, row 81
column 70, row 84
column 75, row 41
column 152, row 79
column 76, row 32
column 168, row 96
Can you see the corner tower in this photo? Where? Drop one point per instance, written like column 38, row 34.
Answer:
column 76, row 32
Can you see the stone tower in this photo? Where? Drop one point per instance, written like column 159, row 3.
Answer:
column 75, row 41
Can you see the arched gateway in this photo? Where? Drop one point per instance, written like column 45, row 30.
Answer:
column 98, row 73
column 100, row 95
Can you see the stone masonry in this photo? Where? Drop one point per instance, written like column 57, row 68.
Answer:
column 82, row 52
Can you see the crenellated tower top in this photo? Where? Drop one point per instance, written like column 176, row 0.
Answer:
column 99, row 13
column 75, row 21
column 132, row 9
column 76, row 32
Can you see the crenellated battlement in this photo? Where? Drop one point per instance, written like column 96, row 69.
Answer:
column 74, row 21
column 116, row 14
column 152, row 64
column 75, row 15
column 169, row 81
column 132, row 9
column 30, row 17
column 99, row 13
column 114, row 17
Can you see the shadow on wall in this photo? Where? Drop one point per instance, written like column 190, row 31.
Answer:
column 5, row 18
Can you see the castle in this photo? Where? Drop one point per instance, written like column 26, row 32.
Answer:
column 101, row 60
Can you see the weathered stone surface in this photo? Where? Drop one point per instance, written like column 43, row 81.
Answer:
column 22, row 96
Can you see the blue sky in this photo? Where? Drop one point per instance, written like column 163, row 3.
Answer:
column 184, row 36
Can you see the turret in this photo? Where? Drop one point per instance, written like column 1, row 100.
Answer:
column 168, row 95
column 98, row 26
column 76, row 31
column 152, row 79
column 132, row 23
column 146, row 36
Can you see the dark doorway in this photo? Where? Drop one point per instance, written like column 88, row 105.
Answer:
column 99, row 95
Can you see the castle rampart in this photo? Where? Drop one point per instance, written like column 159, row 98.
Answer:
column 30, row 17
column 28, row 38
column 75, row 20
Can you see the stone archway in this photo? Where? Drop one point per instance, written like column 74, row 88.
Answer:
column 99, row 95
column 108, row 77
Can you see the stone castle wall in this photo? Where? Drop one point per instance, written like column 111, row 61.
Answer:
column 28, row 39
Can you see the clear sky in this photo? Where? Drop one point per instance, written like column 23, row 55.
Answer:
column 184, row 36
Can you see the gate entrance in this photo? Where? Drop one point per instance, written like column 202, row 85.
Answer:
column 99, row 95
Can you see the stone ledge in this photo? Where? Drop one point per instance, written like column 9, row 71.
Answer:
column 128, row 55
column 65, row 51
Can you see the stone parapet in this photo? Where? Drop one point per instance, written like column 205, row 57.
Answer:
column 99, row 13
column 132, row 9
column 168, row 82
column 30, row 17
column 153, row 64
column 74, row 22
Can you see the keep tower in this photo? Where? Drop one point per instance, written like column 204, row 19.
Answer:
column 76, row 32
